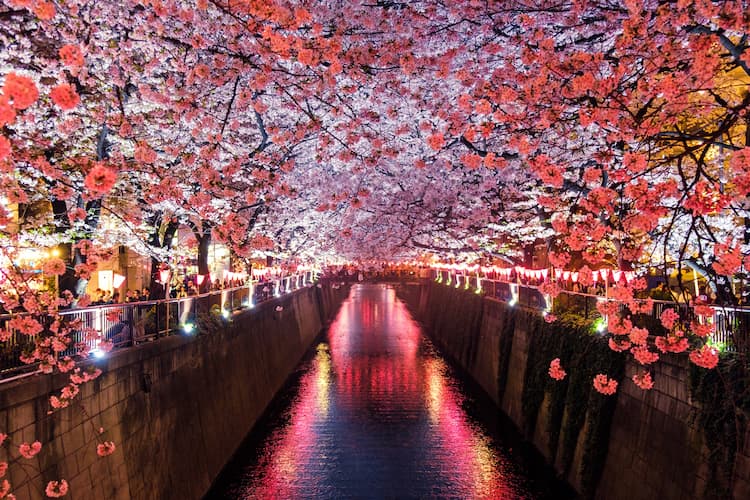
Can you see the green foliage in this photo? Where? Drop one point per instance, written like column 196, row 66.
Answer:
column 572, row 401
column 507, row 328
column 723, row 395
column 211, row 322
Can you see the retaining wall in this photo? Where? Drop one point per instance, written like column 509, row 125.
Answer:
column 177, row 408
column 653, row 446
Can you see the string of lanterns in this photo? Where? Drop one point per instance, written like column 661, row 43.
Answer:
column 603, row 275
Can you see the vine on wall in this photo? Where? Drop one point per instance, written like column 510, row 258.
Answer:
column 507, row 329
column 572, row 401
column 723, row 396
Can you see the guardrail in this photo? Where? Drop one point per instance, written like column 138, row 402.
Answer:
column 126, row 324
column 732, row 324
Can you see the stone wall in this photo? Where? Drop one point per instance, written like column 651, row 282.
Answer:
column 176, row 408
column 653, row 447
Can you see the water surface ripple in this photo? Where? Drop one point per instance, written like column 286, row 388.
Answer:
column 375, row 412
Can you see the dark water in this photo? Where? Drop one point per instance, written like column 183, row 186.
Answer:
column 375, row 412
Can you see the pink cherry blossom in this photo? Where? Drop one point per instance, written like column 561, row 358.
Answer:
column 555, row 370
column 100, row 180
column 706, row 357
column 105, row 448
column 643, row 380
column 29, row 450
column 56, row 489
column 605, row 385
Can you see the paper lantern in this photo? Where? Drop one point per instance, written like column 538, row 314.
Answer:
column 544, row 273
column 199, row 279
column 604, row 273
column 118, row 280
column 574, row 277
column 164, row 275
column 629, row 275
column 616, row 275
column 566, row 275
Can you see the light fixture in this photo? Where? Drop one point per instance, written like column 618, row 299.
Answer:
column 200, row 278
column 164, row 275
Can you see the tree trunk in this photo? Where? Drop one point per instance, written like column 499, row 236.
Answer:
column 204, row 243
column 156, row 289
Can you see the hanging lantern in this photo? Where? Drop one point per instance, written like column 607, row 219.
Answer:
column 574, row 277
column 118, row 280
column 566, row 275
column 199, row 279
column 616, row 274
column 604, row 273
column 164, row 275
column 545, row 272
column 629, row 276
column 595, row 276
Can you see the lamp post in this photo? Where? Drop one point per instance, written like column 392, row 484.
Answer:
column 164, row 278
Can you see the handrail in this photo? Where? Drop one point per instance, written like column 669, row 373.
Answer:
column 130, row 323
column 731, row 323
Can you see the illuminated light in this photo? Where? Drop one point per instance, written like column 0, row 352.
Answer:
column 512, row 302
column 164, row 275
column 55, row 252
column 188, row 328
column 199, row 279
column 118, row 280
column 98, row 353
column 548, row 302
column 225, row 313
column 600, row 325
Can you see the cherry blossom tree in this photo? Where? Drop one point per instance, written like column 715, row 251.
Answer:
column 614, row 132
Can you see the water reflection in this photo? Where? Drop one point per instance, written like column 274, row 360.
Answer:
column 376, row 413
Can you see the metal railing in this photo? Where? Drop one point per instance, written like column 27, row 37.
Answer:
column 732, row 324
column 127, row 324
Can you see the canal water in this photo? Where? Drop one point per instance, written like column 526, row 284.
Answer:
column 375, row 412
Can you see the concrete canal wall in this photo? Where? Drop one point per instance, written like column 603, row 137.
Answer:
column 635, row 445
column 177, row 408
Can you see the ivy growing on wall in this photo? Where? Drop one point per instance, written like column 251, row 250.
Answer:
column 571, row 402
column 507, row 328
column 723, row 397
